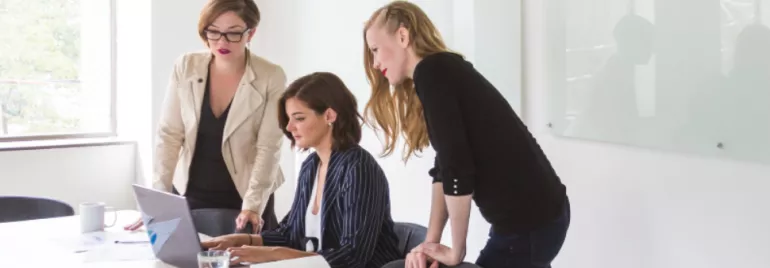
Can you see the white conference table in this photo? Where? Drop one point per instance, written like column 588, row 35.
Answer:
column 57, row 242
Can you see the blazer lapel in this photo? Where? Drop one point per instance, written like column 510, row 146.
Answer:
column 334, row 176
column 245, row 101
column 196, row 81
column 306, row 182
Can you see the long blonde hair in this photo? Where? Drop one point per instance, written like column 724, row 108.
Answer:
column 400, row 111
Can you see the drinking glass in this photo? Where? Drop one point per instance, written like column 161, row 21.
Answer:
column 214, row 259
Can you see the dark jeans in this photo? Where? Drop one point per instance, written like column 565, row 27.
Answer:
column 535, row 249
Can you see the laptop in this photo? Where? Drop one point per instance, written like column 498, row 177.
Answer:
column 169, row 225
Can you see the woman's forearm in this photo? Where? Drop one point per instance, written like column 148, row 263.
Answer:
column 254, row 240
column 459, row 208
column 438, row 214
column 282, row 253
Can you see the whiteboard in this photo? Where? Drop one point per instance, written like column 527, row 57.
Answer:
column 680, row 75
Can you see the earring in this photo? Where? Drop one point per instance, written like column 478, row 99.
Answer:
column 330, row 124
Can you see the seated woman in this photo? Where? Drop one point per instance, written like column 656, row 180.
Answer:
column 341, row 209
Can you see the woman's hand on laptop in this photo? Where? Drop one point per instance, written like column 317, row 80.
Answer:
column 251, row 254
column 134, row 226
column 226, row 241
column 248, row 216
column 261, row 254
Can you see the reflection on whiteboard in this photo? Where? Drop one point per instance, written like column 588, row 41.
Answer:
column 689, row 77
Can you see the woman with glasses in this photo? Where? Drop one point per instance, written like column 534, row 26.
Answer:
column 218, row 136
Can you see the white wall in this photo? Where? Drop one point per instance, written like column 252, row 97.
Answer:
column 635, row 207
column 134, row 79
column 73, row 175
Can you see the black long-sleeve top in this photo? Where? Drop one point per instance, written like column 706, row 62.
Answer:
column 211, row 185
column 483, row 148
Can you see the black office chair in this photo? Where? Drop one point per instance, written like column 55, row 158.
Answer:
column 410, row 235
column 220, row 221
column 214, row 221
column 22, row 208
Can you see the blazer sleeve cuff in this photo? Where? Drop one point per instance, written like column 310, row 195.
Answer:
column 256, row 201
column 273, row 239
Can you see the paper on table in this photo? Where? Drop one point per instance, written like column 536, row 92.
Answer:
column 89, row 241
column 80, row 243
column 128, row 237
column 120, row 252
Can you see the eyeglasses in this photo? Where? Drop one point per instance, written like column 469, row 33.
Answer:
column 231, row 37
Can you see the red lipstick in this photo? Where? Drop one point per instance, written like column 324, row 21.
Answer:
column 223, row 51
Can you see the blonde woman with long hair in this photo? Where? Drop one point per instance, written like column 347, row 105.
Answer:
column 484, row 152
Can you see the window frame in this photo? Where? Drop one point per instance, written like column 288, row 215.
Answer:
column 112, row 133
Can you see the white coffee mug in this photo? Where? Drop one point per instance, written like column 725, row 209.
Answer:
column 92, row 216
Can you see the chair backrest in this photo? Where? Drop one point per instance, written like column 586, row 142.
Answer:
column 214, row 221
column 410, row 235
column 22, row 208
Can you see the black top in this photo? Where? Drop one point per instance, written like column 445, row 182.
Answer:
column 483, row 148
column 210, row 184
column 357, row 228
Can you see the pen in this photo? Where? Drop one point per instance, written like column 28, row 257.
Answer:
column 131, row 242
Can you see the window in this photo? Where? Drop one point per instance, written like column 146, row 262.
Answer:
column 56, row 69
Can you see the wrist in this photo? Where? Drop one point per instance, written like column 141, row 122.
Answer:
column 459, row 250
column 433, row 236
column 244, row 240
column 459, row 244
column 432, row 239
column 459, row 253
column 247, row 210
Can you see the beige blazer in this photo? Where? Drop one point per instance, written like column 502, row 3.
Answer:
column 252, row 139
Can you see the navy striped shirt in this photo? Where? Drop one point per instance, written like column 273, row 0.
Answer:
column 356, row 224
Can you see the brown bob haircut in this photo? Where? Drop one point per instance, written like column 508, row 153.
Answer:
column 246, row 9
column 321, row 91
